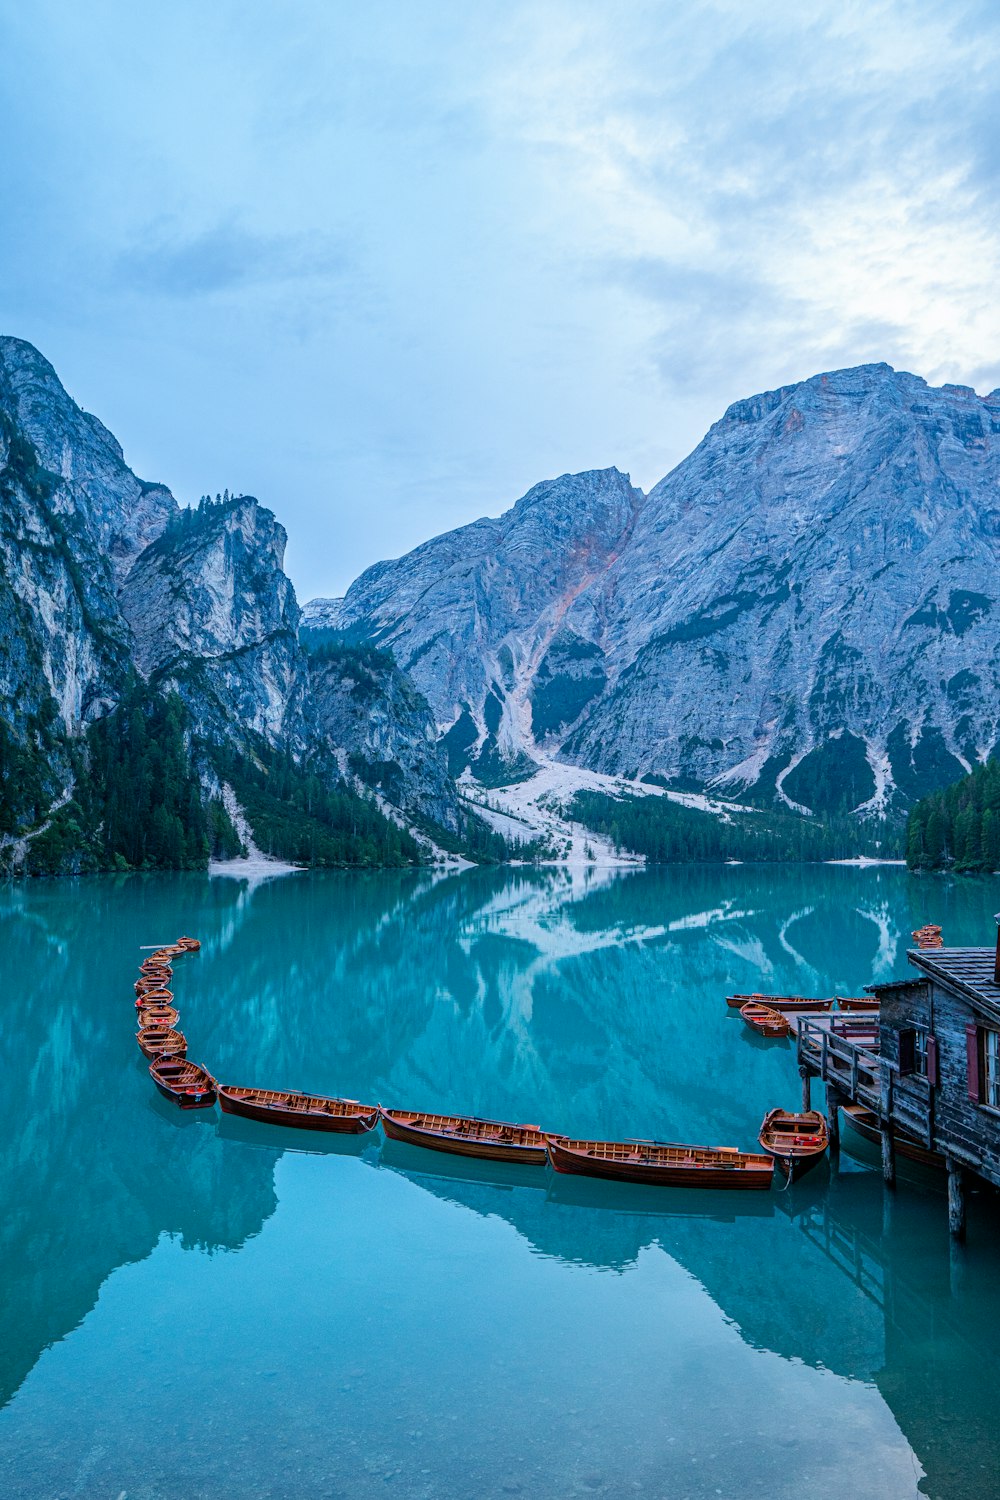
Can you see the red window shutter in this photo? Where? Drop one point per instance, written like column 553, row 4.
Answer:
column 907, row 1052
column 974, row 1059
column 932, row 1061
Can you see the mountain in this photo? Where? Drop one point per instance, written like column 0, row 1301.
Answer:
column 800, row 618
column 803, row 612
column 150, row 662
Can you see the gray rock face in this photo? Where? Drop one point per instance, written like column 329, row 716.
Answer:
column 98, row 490
column 369, row 715
column 806, row 606
column 214, row 617
column 475, row 616
column 64, row 519
column 809, row 601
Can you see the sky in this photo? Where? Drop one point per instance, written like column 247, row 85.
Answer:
column 385, row 265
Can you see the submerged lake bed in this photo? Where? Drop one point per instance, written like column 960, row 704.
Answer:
column 196, row 1305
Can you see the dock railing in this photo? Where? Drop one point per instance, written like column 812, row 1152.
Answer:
column 846, row 1055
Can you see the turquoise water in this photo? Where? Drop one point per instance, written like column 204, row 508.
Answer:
column 197, row 1308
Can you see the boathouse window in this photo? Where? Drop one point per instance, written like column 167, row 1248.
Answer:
column 913, row 1051
column 991, row 1059
column 983, row 1051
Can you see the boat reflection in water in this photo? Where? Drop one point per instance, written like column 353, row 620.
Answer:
column 850, row 1287
column 257, row 1135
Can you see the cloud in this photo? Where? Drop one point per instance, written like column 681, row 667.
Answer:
column 781, row 186
column 453, row 250
column 225, row 258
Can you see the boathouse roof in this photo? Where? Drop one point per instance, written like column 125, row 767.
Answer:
column 893, row 984
column 965, row 971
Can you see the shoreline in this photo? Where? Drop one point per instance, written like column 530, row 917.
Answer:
column 253, row 868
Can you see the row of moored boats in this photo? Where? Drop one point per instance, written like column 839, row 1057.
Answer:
column 793, row 1141
column 767, row 1015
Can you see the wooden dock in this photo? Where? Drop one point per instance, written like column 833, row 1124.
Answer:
column 796, row 1017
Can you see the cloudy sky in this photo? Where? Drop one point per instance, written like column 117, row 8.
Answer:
column 386, row 264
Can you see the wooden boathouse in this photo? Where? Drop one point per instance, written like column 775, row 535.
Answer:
column 927, row 1064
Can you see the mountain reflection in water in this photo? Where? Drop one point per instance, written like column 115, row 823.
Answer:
column 593, row 1004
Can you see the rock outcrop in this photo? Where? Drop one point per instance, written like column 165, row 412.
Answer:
column 214, row 618
column 369, row 715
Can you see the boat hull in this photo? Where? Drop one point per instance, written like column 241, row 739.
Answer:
column 148, row 986
column 187, row 1101
column 185, row 1084
column 779, row 1002
column 269, row 1114
column 161, row 1041
column 157, row 1015
column 764, row 1020
column 756, row 1176
column 397, row 1129
column 866, row 1125
column 798, row 1142
column 154, row 997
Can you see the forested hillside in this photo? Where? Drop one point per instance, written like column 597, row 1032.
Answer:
column 139, row 802
column 668, row 832
column 958, row 828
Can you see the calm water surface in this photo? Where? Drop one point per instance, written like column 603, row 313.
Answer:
column 196, row 1308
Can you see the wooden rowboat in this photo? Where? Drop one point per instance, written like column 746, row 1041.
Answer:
column 157, row 1015
column 144, row 985
column 151, row 970
column 189, row 944
column 856, row 1002
column 186, row 1083
column 154, row 997
column 866, row 1123
column 305, row 1111
column 467, row 1135
column 662, row 1163
column 764, row 1019
column 161, row 1041
column 795, row 1141
column 779, row 1002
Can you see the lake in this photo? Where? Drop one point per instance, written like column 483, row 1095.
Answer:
column 194, row 1306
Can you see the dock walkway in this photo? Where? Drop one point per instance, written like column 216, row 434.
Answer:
column 844, row 1053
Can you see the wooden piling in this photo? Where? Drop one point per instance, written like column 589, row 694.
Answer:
column 956, row 1199
column 806, row 1078
column 834, row 1099
column 888, row 1142
column 888, row 1157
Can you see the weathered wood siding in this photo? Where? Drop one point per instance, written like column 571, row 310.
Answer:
column 958, row 1126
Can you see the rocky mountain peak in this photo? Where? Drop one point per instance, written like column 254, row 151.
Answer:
column 97, row 486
